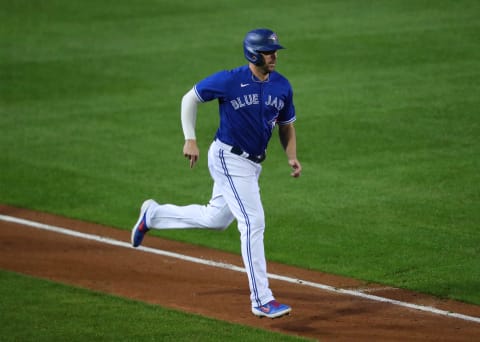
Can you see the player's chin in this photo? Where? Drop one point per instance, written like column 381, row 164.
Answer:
column 271, row 67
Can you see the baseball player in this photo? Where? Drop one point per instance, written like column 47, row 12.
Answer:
column 252, row 99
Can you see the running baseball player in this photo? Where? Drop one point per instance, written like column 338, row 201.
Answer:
column 253, row 99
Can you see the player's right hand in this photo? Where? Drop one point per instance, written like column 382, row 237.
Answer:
column 191, row 151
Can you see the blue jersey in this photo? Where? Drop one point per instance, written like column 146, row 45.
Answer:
column 249, row 108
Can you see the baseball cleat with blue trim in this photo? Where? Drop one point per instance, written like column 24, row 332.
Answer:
column 272, row 309
column 140, row 228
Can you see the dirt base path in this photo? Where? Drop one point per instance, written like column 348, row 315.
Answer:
column 220, row 293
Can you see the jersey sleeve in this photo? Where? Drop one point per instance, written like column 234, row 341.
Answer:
column 287, row 114
column 212, row 87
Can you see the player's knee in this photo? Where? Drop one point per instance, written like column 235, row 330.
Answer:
column 258, row 221
column 218, row 218
column 222, row 227
column 220, row 221
column 255, row 224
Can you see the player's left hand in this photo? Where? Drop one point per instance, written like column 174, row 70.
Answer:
column 296, row 167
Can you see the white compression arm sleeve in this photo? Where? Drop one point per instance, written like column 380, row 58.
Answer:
column 190, row 103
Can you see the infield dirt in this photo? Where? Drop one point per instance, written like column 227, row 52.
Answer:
column 221, row 293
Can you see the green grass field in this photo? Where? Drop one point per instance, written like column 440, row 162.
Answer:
column 388, row 125
column 56, row 312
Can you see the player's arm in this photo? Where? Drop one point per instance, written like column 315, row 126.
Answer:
column 288, row 139
column 189, row 106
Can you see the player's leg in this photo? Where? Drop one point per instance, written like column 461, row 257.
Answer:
column 239, row 179
column 242, row 193
column 214, row 215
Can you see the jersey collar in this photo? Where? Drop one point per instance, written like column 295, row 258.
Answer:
column 255, row 79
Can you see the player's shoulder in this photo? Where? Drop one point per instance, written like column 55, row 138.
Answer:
column 278, row 77
column 238, row 71
column 232, row 73
column 280, row 81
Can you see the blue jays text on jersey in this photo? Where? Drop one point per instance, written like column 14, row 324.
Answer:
column 248, row 108
column 250, row 99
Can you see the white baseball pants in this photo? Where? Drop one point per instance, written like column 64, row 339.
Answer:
column 235, row 195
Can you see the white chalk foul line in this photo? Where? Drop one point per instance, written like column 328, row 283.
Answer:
column 237, row 269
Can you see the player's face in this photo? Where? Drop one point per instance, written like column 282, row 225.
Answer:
column 270, row 59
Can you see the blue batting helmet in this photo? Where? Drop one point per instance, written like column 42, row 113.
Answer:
column 259, row 40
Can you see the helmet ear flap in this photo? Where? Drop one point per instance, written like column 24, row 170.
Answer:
column 254, row 57
column 260, row 60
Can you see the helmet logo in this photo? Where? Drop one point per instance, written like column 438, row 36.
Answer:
column 273, row 39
